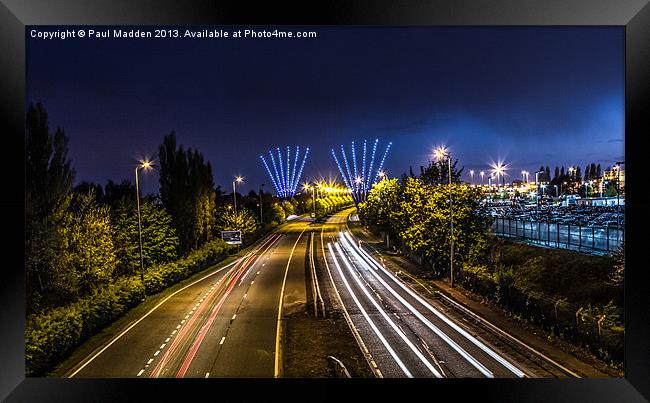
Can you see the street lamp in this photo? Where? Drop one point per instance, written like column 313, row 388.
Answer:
column 313, row 190
column 618, row 194
column 442, row 152
column 537, row 194
column 261, row 216
column 238, row 179
column 471, row 174
column 143, row 165
column 482, row 173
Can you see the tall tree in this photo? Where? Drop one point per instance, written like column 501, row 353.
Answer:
column 159, row 240
column 187, row 192
column 437, row 173
column 48, row 193
column 90, row 248
column 557, row 173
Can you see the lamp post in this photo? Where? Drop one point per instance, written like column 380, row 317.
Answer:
column 482, row 173
column 490, row 190
column 238, row 179
column 618, row 194
column 313, row 194
column 471, row 174
column 537, row 194
column 261, row 216
column 442, row 152
column 143, row 165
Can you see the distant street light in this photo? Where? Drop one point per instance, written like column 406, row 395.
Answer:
column 471, row 174
column 238, row 179
column 313, row 190
column 482, row 173
column 618, row 195
column 143, row 165
column 537, row 194
column 442, row 152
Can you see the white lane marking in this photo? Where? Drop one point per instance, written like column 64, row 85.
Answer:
column 245, row 295
column 392, row 324
column 252, row 282
column 473, row 340
column 178, row 327
column 150, row 361
column 167, row 340
column 156, row 353
column 351, row 325
column 276, row 371
column 187, row 316
column 258, row 272
column 415, row 312
column 183, row 321
column 119, row 336
column 163, row 345
column 207, row 374
column 233, row 317
column 173, row 332
column 222, row 339
column 365, row 315
column 140, row 373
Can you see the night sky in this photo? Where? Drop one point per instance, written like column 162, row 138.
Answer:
column 526, row 96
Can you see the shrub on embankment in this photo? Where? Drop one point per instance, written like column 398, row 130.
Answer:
column 51, row 335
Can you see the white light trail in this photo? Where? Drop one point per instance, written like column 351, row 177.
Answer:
column 453, row 325
column 383, row 313
column 365, row 315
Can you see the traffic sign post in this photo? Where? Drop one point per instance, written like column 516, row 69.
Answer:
column 231, row 237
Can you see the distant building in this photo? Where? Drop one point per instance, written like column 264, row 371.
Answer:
column 612, row 175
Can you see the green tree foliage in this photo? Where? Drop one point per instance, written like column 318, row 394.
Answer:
column 48, row 192
column 382, row 206
column 277, row 214
column 243, row 221
column 418, row 213
column 89, row 238
column 437, row 173
column 159, row 240
column 187, row 192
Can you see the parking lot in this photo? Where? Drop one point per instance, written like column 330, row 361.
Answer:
column 585, row 216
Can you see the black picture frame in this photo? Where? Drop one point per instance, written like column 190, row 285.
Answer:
column 633, row 14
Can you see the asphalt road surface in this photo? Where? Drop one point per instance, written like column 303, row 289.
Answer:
column 224, row 325
column 405, row 334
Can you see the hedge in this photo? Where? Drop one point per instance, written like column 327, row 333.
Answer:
column 51, row 335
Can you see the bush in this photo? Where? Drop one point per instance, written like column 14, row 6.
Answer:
column 51, row 335
column 158, row 278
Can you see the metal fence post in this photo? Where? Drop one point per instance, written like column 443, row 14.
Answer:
column 579, row 237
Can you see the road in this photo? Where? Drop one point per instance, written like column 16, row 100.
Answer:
column 404, row 334
column 226, row 324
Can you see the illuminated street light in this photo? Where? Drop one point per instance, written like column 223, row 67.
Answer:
column 499, row 169
column 537, row 194
column 618, row 195
column 143, row 165
column 441, row 153
column 238, row 179
column 482, row 173
column 471, row 174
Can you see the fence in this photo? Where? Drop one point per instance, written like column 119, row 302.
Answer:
column 564, row 236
